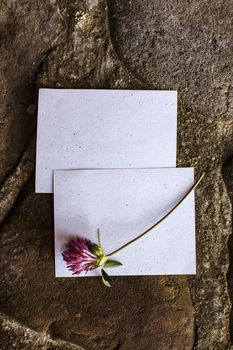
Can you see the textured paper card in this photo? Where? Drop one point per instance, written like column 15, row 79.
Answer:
column 123, row 203
column 84, row 129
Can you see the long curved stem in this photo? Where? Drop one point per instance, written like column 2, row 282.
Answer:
column 161, row 220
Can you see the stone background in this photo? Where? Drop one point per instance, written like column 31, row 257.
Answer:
column 173, row 44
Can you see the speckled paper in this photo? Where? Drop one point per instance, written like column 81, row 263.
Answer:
column 123, row 203
column 104, row 129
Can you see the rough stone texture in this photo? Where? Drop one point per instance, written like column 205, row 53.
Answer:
column 14, row 336
column 118, row 44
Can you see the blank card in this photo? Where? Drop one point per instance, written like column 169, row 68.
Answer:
column 124, row 203
column 94, row 129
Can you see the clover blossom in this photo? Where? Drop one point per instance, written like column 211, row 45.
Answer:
column 81, row 255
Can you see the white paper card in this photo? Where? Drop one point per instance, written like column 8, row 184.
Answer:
column 123, row 203
column 85, row 129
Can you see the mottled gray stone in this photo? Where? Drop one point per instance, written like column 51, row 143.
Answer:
column 180, row 45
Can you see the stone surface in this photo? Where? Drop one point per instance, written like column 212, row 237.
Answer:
column 118, row 44
column 27, row 33
column 16, row 180
column 14, row 336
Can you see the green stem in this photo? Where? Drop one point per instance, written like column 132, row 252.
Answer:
column 161, row 220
